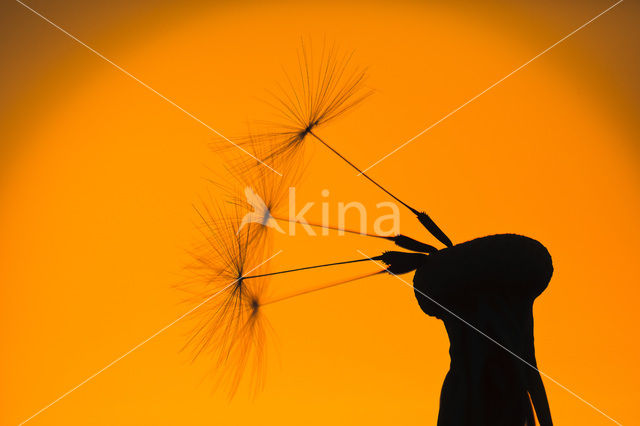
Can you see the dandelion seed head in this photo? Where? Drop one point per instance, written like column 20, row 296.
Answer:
column 229, row 326
column 324, row 88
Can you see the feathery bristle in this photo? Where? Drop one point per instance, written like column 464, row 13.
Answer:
column 272, row 189
column 258, row 192
column 318, row 94
column 229, row 326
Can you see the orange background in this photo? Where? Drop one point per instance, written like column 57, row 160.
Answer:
column 99, row 176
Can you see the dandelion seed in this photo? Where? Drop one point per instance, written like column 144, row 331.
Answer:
column 232, row 326
column 229, row 326
column 316, row 97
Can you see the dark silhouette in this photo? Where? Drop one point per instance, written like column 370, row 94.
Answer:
column 490, row 283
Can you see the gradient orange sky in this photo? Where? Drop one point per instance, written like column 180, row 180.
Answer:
column 99, row 176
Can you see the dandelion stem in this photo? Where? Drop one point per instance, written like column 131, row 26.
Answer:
column 422, row 217
column 400, row 240
column 321, row 287
column 309, row 267
column 362, row 173
column 334, row 228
